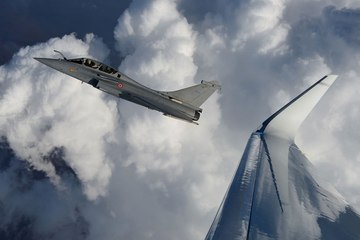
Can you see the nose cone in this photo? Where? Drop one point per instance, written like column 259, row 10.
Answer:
column 57, row 64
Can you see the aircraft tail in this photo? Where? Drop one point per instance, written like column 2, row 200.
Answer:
column 195, row 95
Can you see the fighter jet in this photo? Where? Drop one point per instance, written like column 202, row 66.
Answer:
column 275, row 194
column 183, row 104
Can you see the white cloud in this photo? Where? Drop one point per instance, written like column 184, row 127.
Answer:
column 161, row 44
column 142, row 172
column 137, row 167
column 42, row 109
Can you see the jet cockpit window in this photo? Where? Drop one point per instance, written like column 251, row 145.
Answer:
column 90, row 63
column 107, row 69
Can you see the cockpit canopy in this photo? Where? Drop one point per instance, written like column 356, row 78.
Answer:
column 94, row 64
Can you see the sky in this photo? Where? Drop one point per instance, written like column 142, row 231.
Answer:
column 77, row 163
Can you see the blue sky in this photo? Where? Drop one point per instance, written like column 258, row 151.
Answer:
column 77, row 162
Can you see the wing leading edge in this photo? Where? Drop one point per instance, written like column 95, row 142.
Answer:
column 274, row 193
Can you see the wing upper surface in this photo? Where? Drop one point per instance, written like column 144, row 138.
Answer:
column 275, row 193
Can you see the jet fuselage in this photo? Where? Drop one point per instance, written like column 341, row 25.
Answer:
column 114, row 82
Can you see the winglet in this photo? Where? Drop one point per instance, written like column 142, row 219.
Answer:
column 286, row 121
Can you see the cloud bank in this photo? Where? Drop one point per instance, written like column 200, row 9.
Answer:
column 103, row 168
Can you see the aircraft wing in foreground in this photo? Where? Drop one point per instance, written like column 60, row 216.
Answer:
column 183, row 104
column 275, row 194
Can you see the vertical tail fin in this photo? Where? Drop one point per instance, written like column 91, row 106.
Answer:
column 195, row 95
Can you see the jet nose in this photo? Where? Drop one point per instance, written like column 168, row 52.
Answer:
column 47, row 61
column 53, row 63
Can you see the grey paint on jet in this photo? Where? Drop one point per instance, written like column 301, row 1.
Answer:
column 183, row 104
